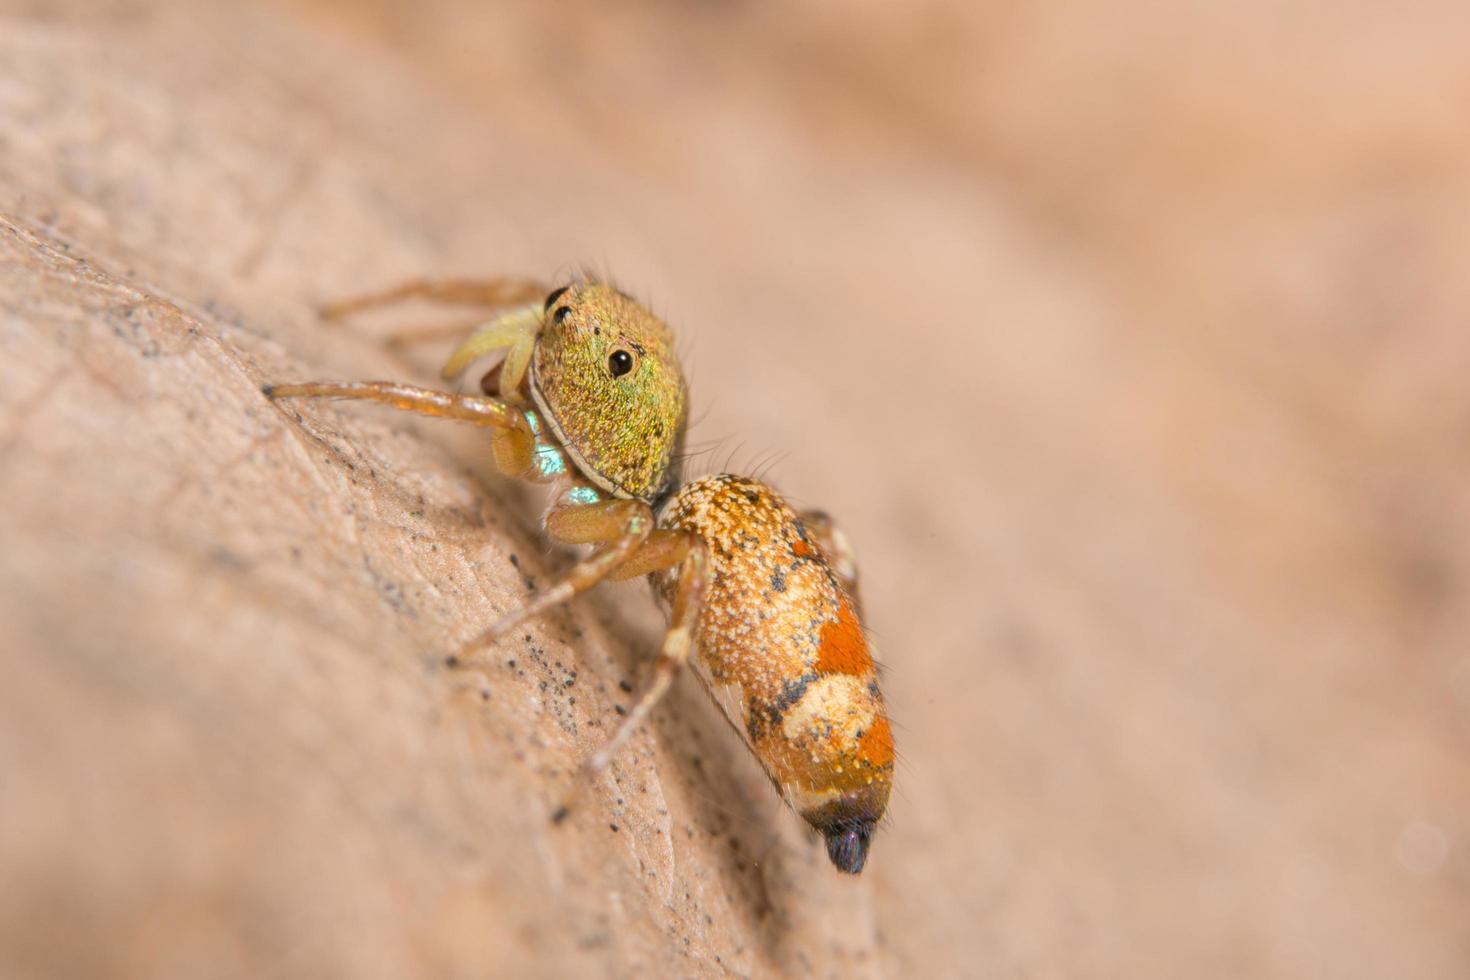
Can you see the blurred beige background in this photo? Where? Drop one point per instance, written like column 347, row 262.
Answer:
column 1128, row 343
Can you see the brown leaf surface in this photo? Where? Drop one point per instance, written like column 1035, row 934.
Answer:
column 1128, row 344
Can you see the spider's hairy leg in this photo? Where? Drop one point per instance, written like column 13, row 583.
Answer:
column 504, row 291
column 513, row 442
column 401, row 338
column 664, row 549
column 515, row 331
column 619, row 526
column 834, row 544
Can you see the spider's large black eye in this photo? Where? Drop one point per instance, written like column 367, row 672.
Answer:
column 561, row 314
column 556, row 294
column 619, row 363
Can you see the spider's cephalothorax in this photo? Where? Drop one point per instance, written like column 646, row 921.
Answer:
column 608, row 403
column 591, row 400
column 606, row 380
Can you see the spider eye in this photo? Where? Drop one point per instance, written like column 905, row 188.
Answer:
column 556, row 294
column 619, row 363
column 561, row 314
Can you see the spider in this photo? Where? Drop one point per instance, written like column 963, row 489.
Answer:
column 592, row 400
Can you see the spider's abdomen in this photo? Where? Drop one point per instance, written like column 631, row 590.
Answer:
column 781, row 649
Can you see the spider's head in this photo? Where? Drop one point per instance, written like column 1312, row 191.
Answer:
column 605, row 377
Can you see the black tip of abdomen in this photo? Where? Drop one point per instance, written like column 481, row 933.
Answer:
column 847, row 844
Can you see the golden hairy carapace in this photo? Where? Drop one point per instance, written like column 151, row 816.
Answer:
column 589, row 398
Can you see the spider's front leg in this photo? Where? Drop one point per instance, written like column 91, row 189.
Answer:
column 513, row 330
column 513, row 442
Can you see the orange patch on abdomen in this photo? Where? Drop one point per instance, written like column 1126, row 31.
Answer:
column 875, row 747
column 843, row 649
